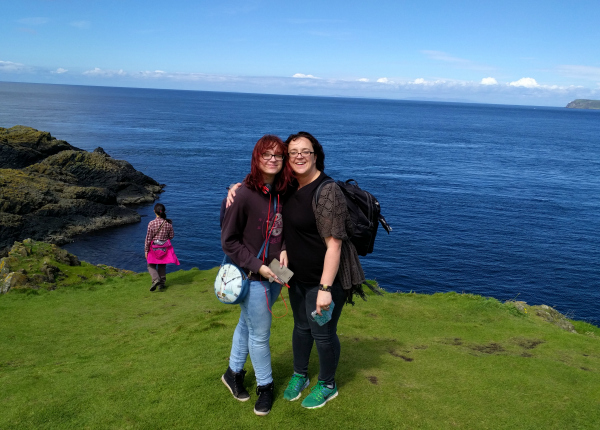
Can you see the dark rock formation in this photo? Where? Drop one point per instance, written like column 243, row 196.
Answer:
column 52, row 191
column 22, row 146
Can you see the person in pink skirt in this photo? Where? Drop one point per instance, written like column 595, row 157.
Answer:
column 159, row 234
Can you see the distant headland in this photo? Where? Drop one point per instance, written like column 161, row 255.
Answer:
column 52, row 191
column 584, row 104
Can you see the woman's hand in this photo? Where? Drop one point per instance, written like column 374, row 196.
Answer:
column 283, row 259
column 330, row 269
column 231, row 194
column 146, row 255
column 323, row 301
column 267, row 273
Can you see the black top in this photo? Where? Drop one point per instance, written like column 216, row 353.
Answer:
column 305, row 247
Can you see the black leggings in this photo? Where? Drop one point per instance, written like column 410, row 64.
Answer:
column 303, row 299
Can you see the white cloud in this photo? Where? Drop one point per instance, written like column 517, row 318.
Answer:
column 82, row 25
column 489, row 81
column 303, row 76
column 9, row 66
column 34, row 21
column 149, row 74
column 486, row 90
column 185, row 77
column 439, row 83
column 525, row 82
column 104, row 73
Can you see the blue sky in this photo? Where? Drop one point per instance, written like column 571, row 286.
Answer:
column 508, row 52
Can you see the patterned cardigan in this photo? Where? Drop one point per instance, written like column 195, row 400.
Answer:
column 333, row 219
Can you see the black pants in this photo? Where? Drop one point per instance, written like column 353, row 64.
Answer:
column 303, row 299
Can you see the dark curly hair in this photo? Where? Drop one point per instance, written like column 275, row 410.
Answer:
column 320, row 154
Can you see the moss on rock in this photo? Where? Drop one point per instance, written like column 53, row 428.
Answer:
column 32, row 265
column 22, row 146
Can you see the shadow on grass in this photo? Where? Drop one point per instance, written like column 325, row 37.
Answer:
column 188, row 277
column 357, row 356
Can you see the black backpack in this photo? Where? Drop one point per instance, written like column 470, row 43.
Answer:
column 365, row 214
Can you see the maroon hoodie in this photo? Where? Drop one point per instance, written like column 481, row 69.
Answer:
column 245, row 227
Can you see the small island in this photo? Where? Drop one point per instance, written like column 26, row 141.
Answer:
column 584, row 104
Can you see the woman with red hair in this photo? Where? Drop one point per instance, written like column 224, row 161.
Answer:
column 253, row 219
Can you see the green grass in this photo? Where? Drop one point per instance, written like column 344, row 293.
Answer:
column 110, row 354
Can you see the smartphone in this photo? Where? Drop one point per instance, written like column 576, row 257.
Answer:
column 325, row 315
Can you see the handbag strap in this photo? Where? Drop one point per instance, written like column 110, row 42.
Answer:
column 266, row 242
column 163, row 223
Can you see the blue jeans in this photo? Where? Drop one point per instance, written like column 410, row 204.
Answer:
column 251, row 336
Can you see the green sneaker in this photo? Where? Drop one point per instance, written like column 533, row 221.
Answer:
column 319, row 395
column 295, row 387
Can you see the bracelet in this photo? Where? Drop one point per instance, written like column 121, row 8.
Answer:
column 324, row 287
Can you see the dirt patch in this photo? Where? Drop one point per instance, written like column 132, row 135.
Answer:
column 529, row 343
column 394, row 353
column 373, row 380
column 402, row 356
column 421, row 347
column 456, row 341
column 490, row 348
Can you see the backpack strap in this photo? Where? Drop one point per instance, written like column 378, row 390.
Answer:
column 320, row 188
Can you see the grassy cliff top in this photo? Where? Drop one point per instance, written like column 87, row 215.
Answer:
column 107, row 353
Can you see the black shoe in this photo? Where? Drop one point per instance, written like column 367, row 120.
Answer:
column 235, row 383
column 265, row 399
column 154, row 285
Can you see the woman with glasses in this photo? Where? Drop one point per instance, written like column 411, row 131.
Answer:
column 253, row 219
column 324, row 262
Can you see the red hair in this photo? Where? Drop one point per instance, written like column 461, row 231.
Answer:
column 254, row 179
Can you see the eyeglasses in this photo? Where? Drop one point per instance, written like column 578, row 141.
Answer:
column 266, row 156
column 304, row 153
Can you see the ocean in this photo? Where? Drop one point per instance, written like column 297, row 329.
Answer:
column 501, row 201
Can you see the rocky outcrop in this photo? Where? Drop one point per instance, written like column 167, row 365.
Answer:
column 584, row 104
column 545, row 312
column 52, row 191
column 22, row 146
column 32, row 265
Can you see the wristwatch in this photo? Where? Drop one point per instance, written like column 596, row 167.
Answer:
column 324, row 287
